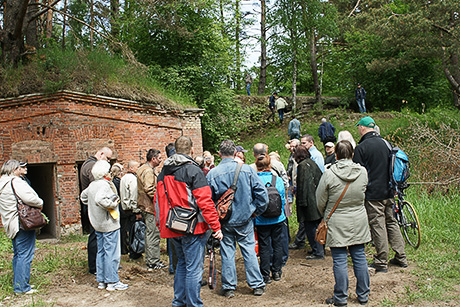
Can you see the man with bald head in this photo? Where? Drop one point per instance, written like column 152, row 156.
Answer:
column 128, row 197
column 86, row 177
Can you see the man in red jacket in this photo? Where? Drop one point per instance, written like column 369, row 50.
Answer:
column 186, row 186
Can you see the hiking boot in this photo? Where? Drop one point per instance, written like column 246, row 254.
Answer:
column 314, row 257
column 158, row 266
column 267, row 280
column 228, row 293
column 377, row 269
column 331, row 301
column 116, row 286
column 397, row 262
column 259, row 291
column 276, row 276
column 362, row 302
column 295, row 246
column 102, row 285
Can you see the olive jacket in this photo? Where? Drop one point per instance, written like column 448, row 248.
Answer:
column 348, row 224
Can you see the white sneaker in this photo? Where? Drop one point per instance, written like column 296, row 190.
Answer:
column 31, row 291
column 117, row 286
column 102, row 285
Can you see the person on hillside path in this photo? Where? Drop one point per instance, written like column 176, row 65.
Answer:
column 272, row 107
column 373, row 154
column 248, row 79
column 326, row 132
column 280, row 104
column 294, row 128
column 360, row 95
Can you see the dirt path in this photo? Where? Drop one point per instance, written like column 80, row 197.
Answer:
column 304, row 283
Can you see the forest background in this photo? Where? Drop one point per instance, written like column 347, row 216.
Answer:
column 404, row 52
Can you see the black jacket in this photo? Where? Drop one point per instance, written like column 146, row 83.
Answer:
column 374, row 155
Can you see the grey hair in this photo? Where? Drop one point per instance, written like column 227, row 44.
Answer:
column 309, row 137
column 116, row 169
column 345, row 135
column 9, row 167
column 100, row 169
column 227, row 148
column 259, row 149
column 323, row 120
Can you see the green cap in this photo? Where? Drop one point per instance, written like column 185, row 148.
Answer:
column 366, row 122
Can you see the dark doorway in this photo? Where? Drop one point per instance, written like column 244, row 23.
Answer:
column 42, row 180
column 85, row 225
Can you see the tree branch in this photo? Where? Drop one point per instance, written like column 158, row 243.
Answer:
column 354, row 9
column 39, row 13
column 445, row 30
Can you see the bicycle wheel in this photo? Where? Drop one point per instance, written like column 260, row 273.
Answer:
column 411, row 225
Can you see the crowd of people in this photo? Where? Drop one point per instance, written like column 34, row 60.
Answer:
column 349, row 189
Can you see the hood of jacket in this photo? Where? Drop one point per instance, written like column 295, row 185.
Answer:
column 175, row 161
column 346, row 170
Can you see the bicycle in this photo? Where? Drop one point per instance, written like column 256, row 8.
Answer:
column 407, row 217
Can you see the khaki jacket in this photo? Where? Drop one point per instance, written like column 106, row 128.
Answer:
column 146, row 188
column 348, row 224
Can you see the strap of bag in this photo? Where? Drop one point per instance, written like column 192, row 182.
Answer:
column 235, row 179
column 273, row 183
column 166, row 192
column 338, row 201
column 15, row 195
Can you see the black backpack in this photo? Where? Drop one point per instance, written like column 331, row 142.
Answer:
column 137, row 237
column 274, row 200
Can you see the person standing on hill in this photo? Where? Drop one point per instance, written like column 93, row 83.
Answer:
column 326, row 132
column 272, row 107
column 373, row 154
column 280, row 104
column 294, row 128
column 360, row 95
column 248, row 79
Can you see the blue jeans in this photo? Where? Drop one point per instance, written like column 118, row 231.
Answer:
column 339, row 257
column 281, row 114
column 248, row 87
column 244, row 235
column 108, row 256
column 361, row 105
column 270, row 248
column 189, row 270
column 24, row 250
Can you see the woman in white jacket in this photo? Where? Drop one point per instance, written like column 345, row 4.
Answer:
column 104, row 217
column 23, row 241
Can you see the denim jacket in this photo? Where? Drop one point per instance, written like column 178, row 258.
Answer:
column 250, row 197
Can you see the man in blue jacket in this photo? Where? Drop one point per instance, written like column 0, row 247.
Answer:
column 251, row 199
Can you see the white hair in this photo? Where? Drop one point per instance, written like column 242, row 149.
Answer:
column 323, row 120
column 100, row 169
column 345, row 135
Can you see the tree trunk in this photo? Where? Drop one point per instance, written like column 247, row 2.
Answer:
column 239, row 76
column 12, row 37
column 30, row 30
column 91, row 33
column 314, row 68
column 114, row 9
column 294, row 79
column 64, row 24
column 49, row 22
column 263, row 50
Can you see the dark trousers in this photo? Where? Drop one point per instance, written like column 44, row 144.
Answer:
column 301, row 235
column 92, row 250
column 125, row 226
column 310, row 230
column 270, row 241
column 286, row 238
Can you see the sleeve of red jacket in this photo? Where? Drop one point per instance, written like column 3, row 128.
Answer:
column 202, row 193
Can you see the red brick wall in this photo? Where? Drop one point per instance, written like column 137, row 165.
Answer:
column 66, row 128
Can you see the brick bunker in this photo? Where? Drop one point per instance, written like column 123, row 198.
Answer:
column 55, row 133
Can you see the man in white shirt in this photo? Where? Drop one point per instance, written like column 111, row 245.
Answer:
column 128, row 196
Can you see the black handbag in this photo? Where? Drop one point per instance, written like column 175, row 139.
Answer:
column 30, row 218
column 180, row 219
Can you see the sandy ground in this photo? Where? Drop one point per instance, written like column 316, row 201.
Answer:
column 304, row 283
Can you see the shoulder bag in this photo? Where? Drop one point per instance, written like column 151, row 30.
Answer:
column 225, row 203
column 321, row 231
column 181, row 219
column 30, row 218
